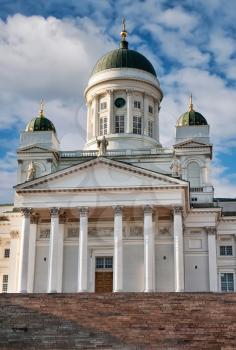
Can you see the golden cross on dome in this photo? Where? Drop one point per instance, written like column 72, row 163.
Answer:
column 191, row 103
column 123, row 32
column 41, row 111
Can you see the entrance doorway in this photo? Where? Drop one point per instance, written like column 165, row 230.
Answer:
column 104, row 274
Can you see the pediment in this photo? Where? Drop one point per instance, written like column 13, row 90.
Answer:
column 191, row 143
column 35, row 149
column 101, row 173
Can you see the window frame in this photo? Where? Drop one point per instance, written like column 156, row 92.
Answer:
column 5, row 280
column 103, row 126
column 119, row 128
column 7, row 253
column 150, row 109
column 229, row 285
column 137, row 104
column 226, row 249
column 150, row 128
column 103, row 105
column 137, row 125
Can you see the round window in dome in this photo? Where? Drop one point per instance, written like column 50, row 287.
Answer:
column 120, row 102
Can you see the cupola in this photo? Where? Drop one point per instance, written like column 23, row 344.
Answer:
column 40, row 123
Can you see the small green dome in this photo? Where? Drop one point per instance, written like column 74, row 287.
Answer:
column 191, row 118
column 40, row 123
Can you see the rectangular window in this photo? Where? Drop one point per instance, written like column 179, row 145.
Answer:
column 150, row 128
column 227, row 282
column 103, row 126
column 103, row 105
column 137, row 104
column 7, row 253
column 4, row 283
column 104, row 262
column 137, row 125
column 150, row 109
column 226, row 250
column 120, row 124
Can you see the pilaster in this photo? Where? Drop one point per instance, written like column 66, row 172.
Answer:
column 83, row 251
column 211, row 237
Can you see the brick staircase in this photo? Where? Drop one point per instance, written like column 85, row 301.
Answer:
column 118, row 321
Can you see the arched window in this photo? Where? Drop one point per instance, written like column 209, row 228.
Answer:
column 193, row 171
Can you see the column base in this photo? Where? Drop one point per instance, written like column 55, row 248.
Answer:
column 83, row 291
column 118, row 291
column 23, row 291
column 149, row 290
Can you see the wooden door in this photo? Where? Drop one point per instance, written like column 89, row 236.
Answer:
column 103, row 282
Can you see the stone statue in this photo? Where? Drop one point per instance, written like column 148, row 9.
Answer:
column 175, row 167
column 31, row 171
column 102, row 146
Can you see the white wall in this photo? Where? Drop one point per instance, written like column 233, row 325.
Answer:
column 133, row 259
column 70, row 269
column 41, row 269
column 164, row 267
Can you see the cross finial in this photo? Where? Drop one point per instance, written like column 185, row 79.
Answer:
column 191, row 102
column 41, row 111
column 123, row 32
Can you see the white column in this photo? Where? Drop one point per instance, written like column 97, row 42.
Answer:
column 60, row 255
column 24, row 251
column 32, row 251
column 145, row 114
column 83, row 251
column 88, row 105
column 156, row 120
column 118, row 251
column 95, row 117
column 13, row 262
column 110, row 117
column 178, row 250
column 149, row 251
column 53, row 251
column 211, row 235
column 129, row 122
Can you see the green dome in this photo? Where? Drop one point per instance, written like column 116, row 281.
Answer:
column 40, row 124
column 191, row 118
column 124, row 58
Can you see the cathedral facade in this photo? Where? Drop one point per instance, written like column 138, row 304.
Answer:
column 125, row 213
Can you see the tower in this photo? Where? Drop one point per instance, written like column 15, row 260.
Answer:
column 194, row 151
column 38, row 150
column 123, row 100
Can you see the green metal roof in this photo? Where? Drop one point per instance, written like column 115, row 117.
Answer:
column 40, row 124
column 191, row 118
column 124, row 58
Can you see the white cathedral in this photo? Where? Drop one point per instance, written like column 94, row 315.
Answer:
column 124, row 214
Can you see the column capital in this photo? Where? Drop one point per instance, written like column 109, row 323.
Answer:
column 110, row 91
column 26, row 212
column 83, row 211
column 14, row 234
column 210, row 230
column 117, row 210
column 34, row 219
column 177, row 210
column 129, row 91
column 54, row 212
column 147, row 209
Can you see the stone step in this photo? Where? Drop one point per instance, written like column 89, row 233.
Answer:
column 118, row 321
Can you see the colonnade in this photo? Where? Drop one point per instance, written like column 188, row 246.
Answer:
column 56, row 251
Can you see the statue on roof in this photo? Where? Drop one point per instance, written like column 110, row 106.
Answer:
column 102, row 146
column 175, row 167
column 31, row 171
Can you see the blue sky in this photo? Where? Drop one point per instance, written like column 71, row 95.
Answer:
column 48, row 49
